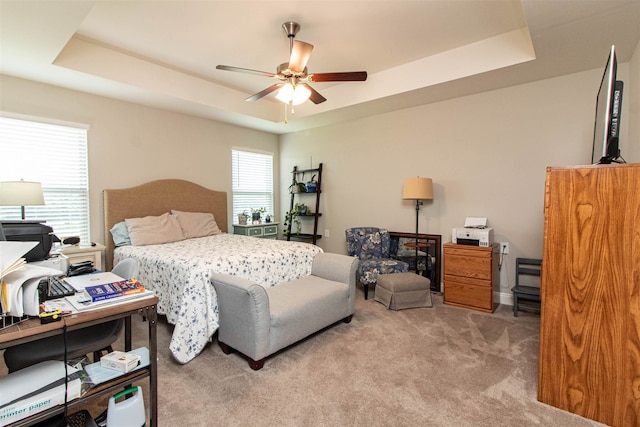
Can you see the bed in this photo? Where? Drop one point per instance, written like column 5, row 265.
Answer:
column 178, row 272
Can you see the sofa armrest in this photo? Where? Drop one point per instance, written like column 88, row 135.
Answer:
column 337, row 268
column 244, row 316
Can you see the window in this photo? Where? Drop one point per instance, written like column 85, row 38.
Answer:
column 252, row 180
column 56, row 156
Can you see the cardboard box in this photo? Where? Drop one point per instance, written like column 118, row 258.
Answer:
column 123, row 362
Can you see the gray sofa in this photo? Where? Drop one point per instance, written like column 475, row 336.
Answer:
column 258, row 321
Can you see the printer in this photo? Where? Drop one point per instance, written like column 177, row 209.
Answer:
column 474, row 233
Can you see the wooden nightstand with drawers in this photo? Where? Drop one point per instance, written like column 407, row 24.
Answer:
column 471, row 276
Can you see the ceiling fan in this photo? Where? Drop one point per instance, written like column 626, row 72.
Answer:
column 294, row 87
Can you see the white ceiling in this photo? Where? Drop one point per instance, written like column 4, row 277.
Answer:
column 164, row 53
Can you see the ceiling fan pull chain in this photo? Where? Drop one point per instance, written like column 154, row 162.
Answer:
column 285, row 114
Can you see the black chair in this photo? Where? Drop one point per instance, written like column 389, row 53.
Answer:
column 526, row 297
column 93, row 339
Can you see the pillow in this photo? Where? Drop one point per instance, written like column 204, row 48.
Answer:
column 196, row 224
column 120, row 234
column 153, row 230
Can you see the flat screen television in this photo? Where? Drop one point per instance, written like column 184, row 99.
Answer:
column 608, row 108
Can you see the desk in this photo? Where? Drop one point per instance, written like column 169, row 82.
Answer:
column 32, row 329
column 429, row 243
column 419, row 245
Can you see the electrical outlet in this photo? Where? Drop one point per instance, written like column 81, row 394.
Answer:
column 326, row 232
column 504, row 248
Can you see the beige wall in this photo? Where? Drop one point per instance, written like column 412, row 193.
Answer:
column 487, row 155
column 131, row 144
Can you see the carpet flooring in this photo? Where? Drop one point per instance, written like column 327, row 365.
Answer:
column 439, row 366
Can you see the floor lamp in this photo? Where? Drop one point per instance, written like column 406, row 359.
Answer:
column 417, row 189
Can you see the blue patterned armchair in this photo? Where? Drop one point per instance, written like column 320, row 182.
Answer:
column 371, row 246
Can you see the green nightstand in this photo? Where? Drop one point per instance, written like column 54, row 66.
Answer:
column 266, row 230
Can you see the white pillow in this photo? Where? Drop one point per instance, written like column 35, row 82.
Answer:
column 196, row 224
column 153, row 230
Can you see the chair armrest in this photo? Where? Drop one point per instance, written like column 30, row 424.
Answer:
column 337, row 268
column 244, row 316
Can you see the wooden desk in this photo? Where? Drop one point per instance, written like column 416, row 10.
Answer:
column 419, row 245
column 430, row 243
column 32, row 329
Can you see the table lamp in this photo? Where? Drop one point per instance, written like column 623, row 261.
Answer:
column 417, row 189
column 21, row 193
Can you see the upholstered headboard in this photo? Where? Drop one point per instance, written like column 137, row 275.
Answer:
column 158, row 197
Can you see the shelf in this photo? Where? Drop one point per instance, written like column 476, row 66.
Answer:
column 305, row 236
column 313, row 237
column 300, row 171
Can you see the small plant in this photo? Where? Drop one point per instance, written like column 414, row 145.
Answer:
column 312, row 185
column 293, row 217
column 256, row 213
column 297, row 186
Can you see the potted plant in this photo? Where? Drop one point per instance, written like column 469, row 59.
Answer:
column 242, row 218
column 293, row 217
column 312, row 185
column 256, row 213
column 297, row 186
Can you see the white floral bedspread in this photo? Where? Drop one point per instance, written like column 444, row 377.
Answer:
column 179, row 273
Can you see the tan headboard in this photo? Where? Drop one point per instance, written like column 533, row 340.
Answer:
column 156, row 198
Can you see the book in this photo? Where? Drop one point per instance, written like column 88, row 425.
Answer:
column 80, row 302
column 113, row 290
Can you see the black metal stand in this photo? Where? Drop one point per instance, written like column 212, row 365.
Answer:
column 418, row 203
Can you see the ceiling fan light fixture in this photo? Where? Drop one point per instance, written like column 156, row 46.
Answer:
column 295, row 95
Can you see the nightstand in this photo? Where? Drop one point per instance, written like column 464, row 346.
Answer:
column 266, row 230
column 81, row 253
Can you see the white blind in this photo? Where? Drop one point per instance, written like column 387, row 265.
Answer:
column 55, row 156
column 252, row 182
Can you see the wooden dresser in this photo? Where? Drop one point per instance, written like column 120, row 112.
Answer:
column 589, row 360
column 471, row 276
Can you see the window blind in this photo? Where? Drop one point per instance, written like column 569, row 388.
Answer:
column 56, row 156
column 252, row 180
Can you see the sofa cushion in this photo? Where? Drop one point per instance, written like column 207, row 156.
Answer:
column 304, row 306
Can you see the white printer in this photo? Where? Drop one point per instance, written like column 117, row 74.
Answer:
column 475, row 233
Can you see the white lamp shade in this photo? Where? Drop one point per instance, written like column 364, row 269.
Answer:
column 21, row 193
column 417, row 189
column 296, row 96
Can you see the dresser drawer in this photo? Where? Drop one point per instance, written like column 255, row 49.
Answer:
column 270, row 230
column 475, row 265
column 257, row 231
column 458, row 292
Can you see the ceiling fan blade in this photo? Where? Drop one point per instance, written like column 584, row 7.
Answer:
column 244, row 70
column 315, row 97
column 300, row 54
column 350, row 76
column 264, row 92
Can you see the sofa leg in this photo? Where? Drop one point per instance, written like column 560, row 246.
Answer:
column 225, row 348
column 256, row 365
column 348, row 319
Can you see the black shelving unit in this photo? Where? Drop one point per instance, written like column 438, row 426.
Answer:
column 297, row 176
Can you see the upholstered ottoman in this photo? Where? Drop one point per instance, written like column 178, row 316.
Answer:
column 403, row 290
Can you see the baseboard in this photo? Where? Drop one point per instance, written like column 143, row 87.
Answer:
column 505, row 298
